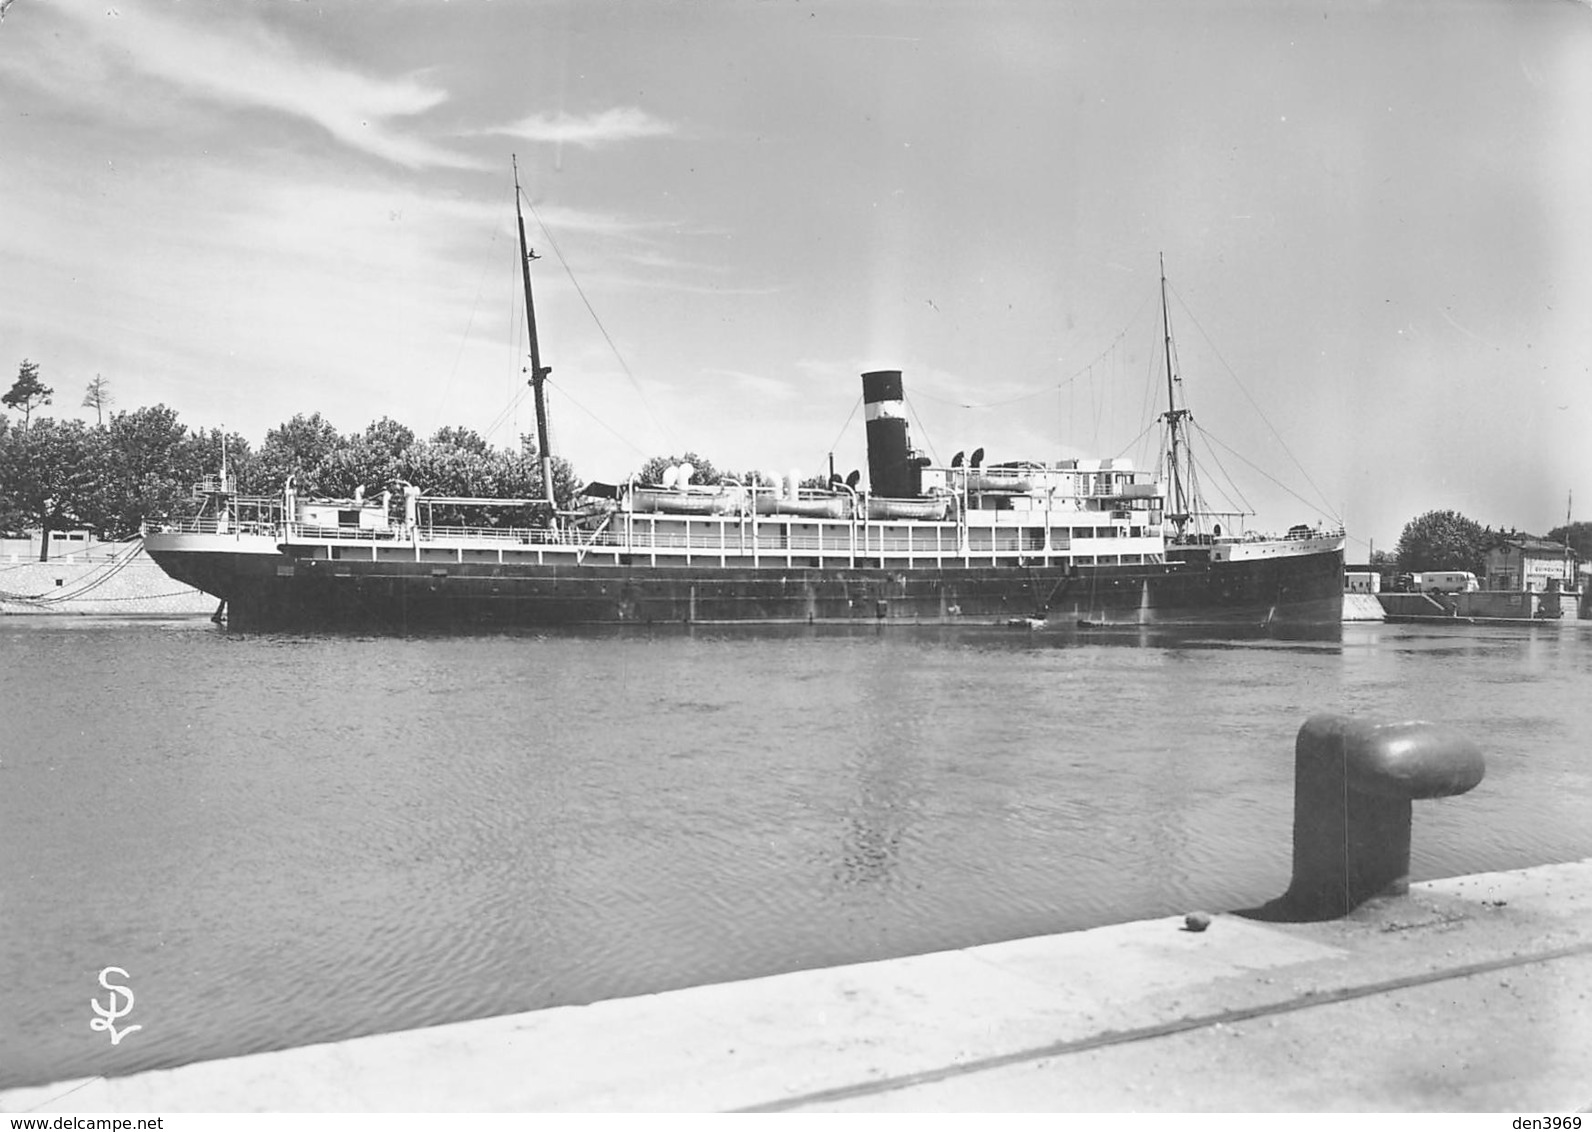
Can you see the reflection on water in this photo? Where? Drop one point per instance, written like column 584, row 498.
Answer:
column 296, row 838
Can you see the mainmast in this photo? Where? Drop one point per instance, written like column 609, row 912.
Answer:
column 539, row 372
column 1174, row 418
column 1569, row 508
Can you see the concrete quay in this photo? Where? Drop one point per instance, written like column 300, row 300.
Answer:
column 1468, row 994
column 92, row 579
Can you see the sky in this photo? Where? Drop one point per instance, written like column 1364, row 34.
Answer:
column 1375, row 218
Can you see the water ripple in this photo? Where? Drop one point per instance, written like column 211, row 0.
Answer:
column 291, row 838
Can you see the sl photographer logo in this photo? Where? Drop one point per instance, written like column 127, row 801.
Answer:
column 106, row 1022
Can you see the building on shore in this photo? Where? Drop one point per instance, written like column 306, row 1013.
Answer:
column 1362, row 579
column 1525, row 563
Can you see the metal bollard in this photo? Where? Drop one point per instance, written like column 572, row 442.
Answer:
column 1354, row 782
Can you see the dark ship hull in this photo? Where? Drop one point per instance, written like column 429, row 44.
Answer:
column 278, row 592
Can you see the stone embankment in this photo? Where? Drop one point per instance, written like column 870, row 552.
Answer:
column 102, row 580
column 1361, row 607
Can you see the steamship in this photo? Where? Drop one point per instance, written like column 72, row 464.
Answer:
column 1092, row 542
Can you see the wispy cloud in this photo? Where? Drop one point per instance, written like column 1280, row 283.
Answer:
column 240, row 63
column 755, row 384
column 620, row 124
column 563, row 218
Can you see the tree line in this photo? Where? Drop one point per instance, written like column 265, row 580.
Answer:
column 1447, row 540
column 129, row 468
column 140, row 466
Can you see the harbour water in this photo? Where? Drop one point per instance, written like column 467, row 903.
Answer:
column 288, row 839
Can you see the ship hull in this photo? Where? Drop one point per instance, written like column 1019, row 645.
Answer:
column 278, row 592
column 237, row 569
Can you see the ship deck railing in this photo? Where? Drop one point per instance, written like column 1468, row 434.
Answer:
column 212, row 525
column 869, row 539
column 1316, row 532
column 710, row 540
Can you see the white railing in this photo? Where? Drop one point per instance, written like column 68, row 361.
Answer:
column 704, row 534
column 706, row 537
column 1316, row 532
column 210, row 525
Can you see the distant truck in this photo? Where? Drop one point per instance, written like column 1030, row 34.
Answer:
column 1445, row 582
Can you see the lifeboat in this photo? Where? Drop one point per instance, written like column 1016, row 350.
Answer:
column 936, row 509
column 674, row 501
column 811, row 507
column 1013, row 482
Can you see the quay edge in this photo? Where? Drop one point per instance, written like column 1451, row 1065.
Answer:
column 1469, row 994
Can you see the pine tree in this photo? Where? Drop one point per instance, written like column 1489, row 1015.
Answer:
column 28, row 393
column 98, row 397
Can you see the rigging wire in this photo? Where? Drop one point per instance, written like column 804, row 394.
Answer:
column 507, row 411
column 1229, row 487
column 855, row 405
column 464, row 340
column 1094, row 415
column 1145, row 431
column 1086, row 370
column 518, row 387
column 579, row 290
column 626, row 441
column 913, row 410
column 1322, row 505
column 1151, row 385
column 1234, row 452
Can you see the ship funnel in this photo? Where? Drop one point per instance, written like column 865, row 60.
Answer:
column 893, row 470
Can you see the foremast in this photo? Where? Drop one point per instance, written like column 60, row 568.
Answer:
column 539, row 372
column 1179, row 457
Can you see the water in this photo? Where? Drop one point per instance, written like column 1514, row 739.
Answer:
column 286, row 839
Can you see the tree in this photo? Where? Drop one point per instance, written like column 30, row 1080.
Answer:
column 457, row 462
column 703, row 470
column 200, row 454
column 12, row 523
column 304, row 447
column 373, row 460
column 387, row 435
column 566, row 484
column 49, row 477
column 28, row 392
column 1386, row 565
column 466, row 439
column 98, row 397
column 1578, row 536
column 145, row 471
column 1442, row 540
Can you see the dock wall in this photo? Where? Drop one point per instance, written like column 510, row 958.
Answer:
column 125, row 582
column 1412, row 605
column 1362, row 607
